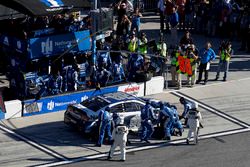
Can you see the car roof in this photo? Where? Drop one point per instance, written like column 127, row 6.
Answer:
column 118, row 97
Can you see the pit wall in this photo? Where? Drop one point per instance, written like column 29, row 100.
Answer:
column 16, row 108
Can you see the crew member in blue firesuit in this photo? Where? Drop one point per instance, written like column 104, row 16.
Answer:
column 177, row 123
column 147, row 117
column 135, row 63
column 172, row 121
column 188, row 105
column 166, row 112
column 118, row 72
column 104, row 120
column 55, row 83
column 103, row 57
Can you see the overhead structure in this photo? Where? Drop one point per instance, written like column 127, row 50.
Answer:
column 45, row 7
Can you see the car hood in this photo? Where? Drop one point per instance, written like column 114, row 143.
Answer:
column 90, row 113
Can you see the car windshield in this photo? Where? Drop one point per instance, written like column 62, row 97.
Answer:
column 95, row 103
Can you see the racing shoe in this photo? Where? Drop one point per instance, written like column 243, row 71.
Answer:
column 109, row 158
column 98, row 145
column 196, row 140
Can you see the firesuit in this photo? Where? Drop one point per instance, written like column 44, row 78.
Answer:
column 104, row 120
column 172, row 120
column 103, row 58
column 194, row 117
column 135, row 63
column 147, row 117
column 187, row 106
column 119, row 136
column 177, row 123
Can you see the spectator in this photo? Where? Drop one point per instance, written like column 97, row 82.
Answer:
column 181, row 12
column 143, row 41
column 225, row 56
column 174, row 21
column 186, row 39
column 189, row 14
column 136, row 21
column 132, row 43
column 161, row 8
column 206, row 55
column 123, row 27
column 192, row 55
column 168, row 11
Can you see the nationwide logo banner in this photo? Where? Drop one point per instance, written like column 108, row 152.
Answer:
column 57, row 44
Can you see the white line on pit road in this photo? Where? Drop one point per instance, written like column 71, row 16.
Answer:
column 32, row 143
column 214, row 111
column 147, row 147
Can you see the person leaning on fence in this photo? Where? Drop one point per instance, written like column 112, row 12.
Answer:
column 225, row 56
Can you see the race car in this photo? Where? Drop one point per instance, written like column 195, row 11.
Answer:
column 84, row 115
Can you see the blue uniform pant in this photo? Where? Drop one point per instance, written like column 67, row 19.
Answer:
column 178, row 126
column 104, row 127
column 168, row 128
column 147, row 130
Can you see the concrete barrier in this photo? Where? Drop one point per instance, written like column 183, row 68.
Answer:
column 13, row 109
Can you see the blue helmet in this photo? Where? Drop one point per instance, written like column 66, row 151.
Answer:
column 173, row 106
column 161, row 104
column 107, row 108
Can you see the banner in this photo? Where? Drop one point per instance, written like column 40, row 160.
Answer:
column 13, row 43
column 185, row 65
column 57, row 44
column 59, row 103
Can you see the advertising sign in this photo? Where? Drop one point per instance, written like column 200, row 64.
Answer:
column 13, row 43
column 59, row 103
column 57, row 44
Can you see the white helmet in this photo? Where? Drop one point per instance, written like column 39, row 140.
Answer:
column 195, row 105
column 120, row 120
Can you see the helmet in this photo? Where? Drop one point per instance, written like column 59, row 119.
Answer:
column 160, row 103
column 119, row 120
column 173, row 106
column 166, row 104
column 182, row 99
column 148, row 101
column 195, row 105
column 107, row 108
